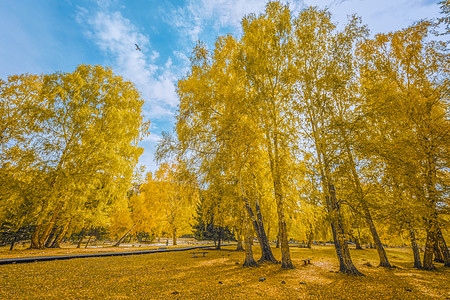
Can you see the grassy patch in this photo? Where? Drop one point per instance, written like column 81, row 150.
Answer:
column 176, row 275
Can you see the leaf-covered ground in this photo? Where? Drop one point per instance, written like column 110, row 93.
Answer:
column 220, row 275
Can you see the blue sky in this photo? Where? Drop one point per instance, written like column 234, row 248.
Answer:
column 47, row 36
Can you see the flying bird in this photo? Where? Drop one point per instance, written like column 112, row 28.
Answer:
column 137, row 47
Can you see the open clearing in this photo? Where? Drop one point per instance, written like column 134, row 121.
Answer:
column 220, row 275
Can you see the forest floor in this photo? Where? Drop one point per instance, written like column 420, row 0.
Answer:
column 220, row 275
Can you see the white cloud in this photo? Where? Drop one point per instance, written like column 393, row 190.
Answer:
column 181, row 56
column 199, row 17
column 116, row 36
column 380, row 15
column 146, row 159
column 154, row 55
column 152, row 137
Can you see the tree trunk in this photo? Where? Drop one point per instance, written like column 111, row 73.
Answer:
column 384, row 262
column 275, row 168
column 240, row 247
column 89, row 239
column 56, row 243
column 278, row 241
column 82, row 235
column 432, row 223
column 429, row 245
column 443, row 247
column 51, row 237
column 438, row 257
column 286, row 262
column 249, row 260
column 13, row 241
column 35, row 238
column 337, row 247
column 266, row 251
column 415, row 248
column 218, row 244
column 174, row 236
column 358, row 240
column 220, row 238
column 346, row 263
column 51, row 224
column 310, row 236
column 123, row 237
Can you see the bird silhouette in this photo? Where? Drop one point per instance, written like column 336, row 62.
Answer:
column 137, row 47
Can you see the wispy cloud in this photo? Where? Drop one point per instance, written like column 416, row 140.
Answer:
column 380, row 15
column 116, row 36
column 199, row 17
column 154, row 138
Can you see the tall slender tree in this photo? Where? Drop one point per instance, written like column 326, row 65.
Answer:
column 323, row 57
column 405, row 88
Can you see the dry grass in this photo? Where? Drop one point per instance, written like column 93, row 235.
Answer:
column 176, row 275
